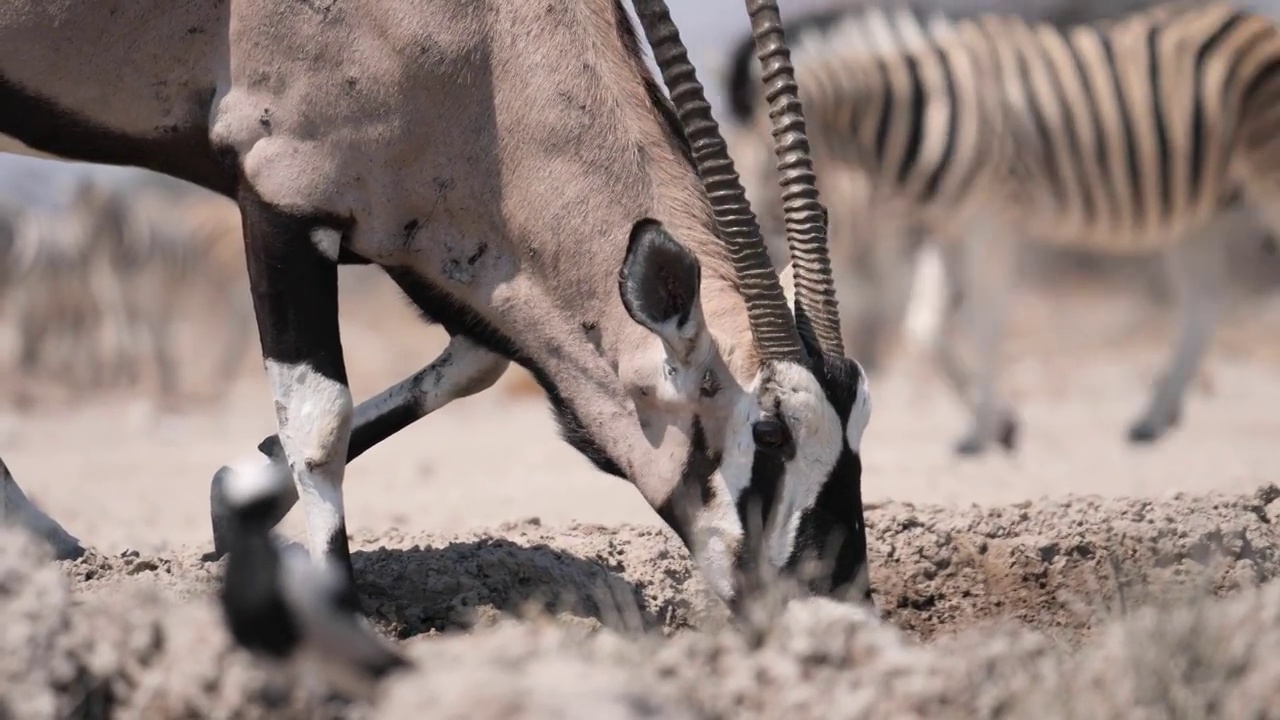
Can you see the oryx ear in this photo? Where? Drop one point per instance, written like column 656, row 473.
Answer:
column 659, row 283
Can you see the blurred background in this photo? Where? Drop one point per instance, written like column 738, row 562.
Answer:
column 129, row 366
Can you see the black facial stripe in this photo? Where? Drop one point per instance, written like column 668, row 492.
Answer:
column 757, row 501
column 694, row 490
column 835, row 515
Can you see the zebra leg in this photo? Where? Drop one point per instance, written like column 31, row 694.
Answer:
column 16, row 509
column 985, row 273
column 463, row 369
column 240, row 332
column 879, row 317
column 1197, row 268
column 159, row 324
column 293, row 278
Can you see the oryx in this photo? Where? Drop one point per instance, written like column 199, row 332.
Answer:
column 514, row 168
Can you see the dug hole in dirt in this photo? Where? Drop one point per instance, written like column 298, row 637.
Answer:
column 1077, row 608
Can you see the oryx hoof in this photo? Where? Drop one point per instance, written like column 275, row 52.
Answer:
column 219, row 515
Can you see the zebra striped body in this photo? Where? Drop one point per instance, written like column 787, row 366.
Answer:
column 62, row 295
column 1126, row 136
column 99, row 281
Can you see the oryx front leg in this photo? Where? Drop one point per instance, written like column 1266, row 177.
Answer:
column 1198, row 270
column 293, row 278
column 463, row 369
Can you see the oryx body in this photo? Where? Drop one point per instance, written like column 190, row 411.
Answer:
column 515, row 169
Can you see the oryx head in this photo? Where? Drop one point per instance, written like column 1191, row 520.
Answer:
column 776, row 485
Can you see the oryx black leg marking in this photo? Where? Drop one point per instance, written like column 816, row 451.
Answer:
column 293, row 277
column 464, row 368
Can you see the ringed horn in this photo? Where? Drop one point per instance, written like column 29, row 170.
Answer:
column 775, row 331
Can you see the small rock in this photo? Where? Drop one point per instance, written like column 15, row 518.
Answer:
column 143, row 566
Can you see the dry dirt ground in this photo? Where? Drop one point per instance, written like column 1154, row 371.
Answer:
column 1079, row 578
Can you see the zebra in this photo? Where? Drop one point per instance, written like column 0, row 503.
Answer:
column 516, row 169
column 63, row 296
column 172, row 241
column 885, row 273
column 1140, row 134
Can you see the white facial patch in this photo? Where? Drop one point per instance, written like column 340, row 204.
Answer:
column 859, row 414
column 328, row 241
column 717, row 535
column 815, row 428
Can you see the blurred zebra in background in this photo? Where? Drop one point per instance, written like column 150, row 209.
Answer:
column 877, row 280
column 95, row 284
column 1126, row 136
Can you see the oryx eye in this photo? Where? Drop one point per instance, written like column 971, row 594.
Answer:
column 771, row 434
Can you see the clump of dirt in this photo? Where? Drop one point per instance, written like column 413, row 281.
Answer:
column 131, row 651
column 630, row 576
column 1058, row 609
column 1058, row 564
column 821, row 659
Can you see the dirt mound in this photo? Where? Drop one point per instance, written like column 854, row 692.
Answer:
column 1071, row 608
column 1058, row 564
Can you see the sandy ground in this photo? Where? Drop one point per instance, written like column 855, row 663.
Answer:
column 1001, row 580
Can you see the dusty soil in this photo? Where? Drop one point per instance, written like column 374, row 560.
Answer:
column 1079, row 577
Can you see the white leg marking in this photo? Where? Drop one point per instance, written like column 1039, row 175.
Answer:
column 314, row 415
column 328, row 241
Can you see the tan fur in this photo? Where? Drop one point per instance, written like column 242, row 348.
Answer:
column 504, row 153
column 457, row 187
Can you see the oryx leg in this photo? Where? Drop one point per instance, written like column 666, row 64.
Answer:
column 293, row 278
column 1197, row 268
column 16, row 509
column 463, row 369
column 980, row 280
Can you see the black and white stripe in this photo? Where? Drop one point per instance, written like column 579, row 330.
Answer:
column 1133, row 135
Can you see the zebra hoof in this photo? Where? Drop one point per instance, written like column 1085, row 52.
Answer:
column 970, row 446
column 1149, row 429
column 1009, row 433
column 1146, row 432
